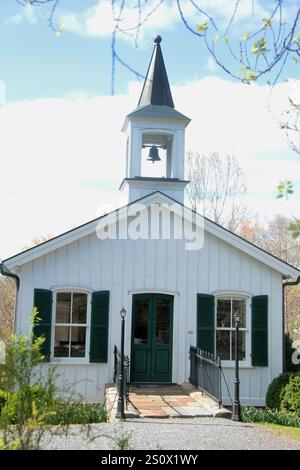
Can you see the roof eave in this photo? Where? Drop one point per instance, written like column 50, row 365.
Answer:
column 217, row 230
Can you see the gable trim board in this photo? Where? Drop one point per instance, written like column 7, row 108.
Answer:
column 211, row 227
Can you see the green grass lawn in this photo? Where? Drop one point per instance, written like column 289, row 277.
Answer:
column 286, row 431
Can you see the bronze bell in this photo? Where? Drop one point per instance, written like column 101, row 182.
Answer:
column 153, row 155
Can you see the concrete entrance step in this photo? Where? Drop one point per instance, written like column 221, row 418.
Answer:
column 166, row 401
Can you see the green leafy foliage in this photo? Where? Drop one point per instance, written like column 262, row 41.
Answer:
column 291, row 396
column 267, row 22
column 3, row 399
column 296, row 39
column 245, row 36
column 29, row 400
column 12, row 445
column 24, row 404
column 254, row 415
column 76, row 413
column 123, row 442
column 202, row 27
column 283, row 393
column 275, row 391
column 259, row 46
column 285, row 188
column 294, row 228
column 27, row 393
column 55, row 411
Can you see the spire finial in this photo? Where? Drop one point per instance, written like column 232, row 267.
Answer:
column 156, row 89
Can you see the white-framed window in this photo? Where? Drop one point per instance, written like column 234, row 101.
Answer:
column 226, row 307
column 71, row 325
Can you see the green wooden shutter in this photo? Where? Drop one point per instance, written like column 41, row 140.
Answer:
column 206, row 322
column 260, row 330
column 99, row 326
column 43, row 303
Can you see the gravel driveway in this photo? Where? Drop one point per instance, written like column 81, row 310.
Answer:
column 178, row 433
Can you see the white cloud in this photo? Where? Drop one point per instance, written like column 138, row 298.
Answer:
column 63, row 158
column 27, row 12
column 99, row 20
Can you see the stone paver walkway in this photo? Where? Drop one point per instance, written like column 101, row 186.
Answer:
column 166, row 401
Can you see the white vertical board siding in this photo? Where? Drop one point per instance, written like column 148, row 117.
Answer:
column 125, row 267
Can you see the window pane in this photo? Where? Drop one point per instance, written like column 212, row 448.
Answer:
column 162, row 322
column 223, row 345
column 78, row 334
column 223, row 313
column 61, row 341
column 239, row 308
column 63, row 307
column 141, row 322
column 79, row 308
column 241, row 346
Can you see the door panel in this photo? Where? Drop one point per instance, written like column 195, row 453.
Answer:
column 152, row 327
column 141, row 339
column 162, row 362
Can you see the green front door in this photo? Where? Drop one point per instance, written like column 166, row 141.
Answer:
column 152, row 333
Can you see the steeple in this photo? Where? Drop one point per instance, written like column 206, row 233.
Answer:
column 156, row 89
column 155, row 134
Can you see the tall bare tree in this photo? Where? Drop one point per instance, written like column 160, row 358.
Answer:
column 7, row 302
column 274, row 237
column 217, row 188
column 277, row 239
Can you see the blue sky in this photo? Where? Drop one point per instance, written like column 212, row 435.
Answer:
column 35, row 63
column 61, row 149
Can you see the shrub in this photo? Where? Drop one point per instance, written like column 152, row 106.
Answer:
column 55, row 411
column 276, row 389
column 32, row 397
column 254, row 415
column 26, row 404
column 291, row 395
column 76, row 413
column 3, row 399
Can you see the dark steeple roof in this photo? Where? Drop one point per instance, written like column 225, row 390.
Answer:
column 156, row 89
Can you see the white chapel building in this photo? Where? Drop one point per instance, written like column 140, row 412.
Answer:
column 180, row 276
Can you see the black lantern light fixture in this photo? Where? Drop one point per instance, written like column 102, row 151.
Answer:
column 123, row 313
column 236, row 409
column 120, row 407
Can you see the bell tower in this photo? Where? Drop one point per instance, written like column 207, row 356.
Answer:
column 154, row 134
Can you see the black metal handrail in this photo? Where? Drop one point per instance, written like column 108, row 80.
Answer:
column 117, row 373
column 205, row 373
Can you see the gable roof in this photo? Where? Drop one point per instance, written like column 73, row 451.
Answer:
column 157, row 197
